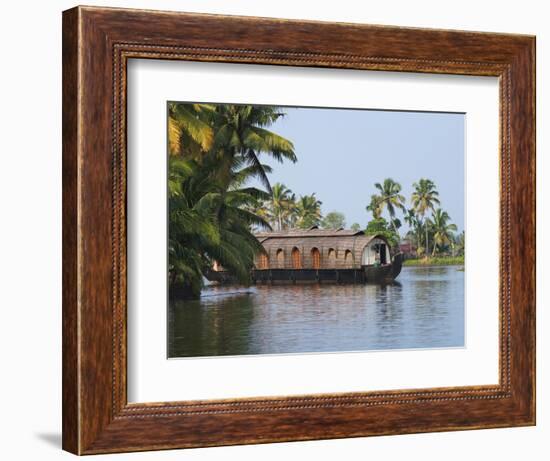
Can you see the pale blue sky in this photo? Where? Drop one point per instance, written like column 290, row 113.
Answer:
column 343, row 152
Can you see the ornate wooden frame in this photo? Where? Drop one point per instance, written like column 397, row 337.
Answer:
column 97, row 43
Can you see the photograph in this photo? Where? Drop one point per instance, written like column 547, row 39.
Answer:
column 297, row 230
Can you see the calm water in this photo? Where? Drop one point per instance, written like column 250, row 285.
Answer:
column 425, row 308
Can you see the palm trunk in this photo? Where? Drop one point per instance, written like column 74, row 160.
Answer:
column 393, row 224
column 426, row 249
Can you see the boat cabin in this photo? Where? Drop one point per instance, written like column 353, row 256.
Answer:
column 319, row 256
column 321, row 249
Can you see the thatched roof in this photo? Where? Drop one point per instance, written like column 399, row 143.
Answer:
column 342, row 241
column 311, row 232
column 336, row 238
column 357, row 240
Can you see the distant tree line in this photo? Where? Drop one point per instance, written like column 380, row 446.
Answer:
column 430, row 227
column 284, row 210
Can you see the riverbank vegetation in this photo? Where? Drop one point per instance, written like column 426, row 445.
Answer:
column 431, row 238
column 436, row 261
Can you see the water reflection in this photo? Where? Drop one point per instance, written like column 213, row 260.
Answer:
column 424, row 310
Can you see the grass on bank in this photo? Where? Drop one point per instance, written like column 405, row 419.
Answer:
column 436, row 261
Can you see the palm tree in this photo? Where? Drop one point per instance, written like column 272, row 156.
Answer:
column 241, row 138
column 442, row 229
column 375, row 206
column 390, row 197
column 424, row 198
column 415, row 226
column 260, row 208
column 291, row 217
column 308, row 211
column 281, row 205
column 189, row 129
column 214, row 151
column 238, row 246
column 207, row 224
column 191, row 227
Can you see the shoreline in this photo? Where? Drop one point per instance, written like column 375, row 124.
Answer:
column 432, row 262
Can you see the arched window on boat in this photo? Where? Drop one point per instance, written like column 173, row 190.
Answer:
column 349, row 259
column 331, row 258
column 280, row 258
column 296, row 259
column 315, row 258
column 263, row 261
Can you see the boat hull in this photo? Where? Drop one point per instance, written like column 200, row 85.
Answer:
column 365, row 274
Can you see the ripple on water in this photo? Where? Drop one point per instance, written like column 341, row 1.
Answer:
column 424, row 309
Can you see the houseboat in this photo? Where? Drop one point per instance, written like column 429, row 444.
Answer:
column 322, row 256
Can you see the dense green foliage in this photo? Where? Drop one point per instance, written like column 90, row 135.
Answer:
column 382, row 227
column 442, row 230
column 424, row 198
column 389, row 198
column 214, row 151
column 283, row 210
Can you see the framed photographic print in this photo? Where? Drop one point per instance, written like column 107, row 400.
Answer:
column 284, row 230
